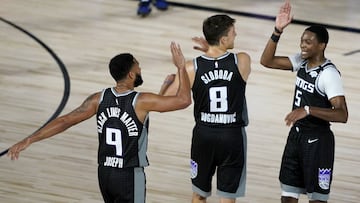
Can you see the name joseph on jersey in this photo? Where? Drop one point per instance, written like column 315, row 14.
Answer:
column 114, row 162
column 114, row 112
column 217, row 74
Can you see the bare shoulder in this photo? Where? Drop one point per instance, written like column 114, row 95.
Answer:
column 90, row 104
column 95, row 97
column 190, row 66
column 244, row 56
column 144, row 97
column 190, row 69
column 244, row 64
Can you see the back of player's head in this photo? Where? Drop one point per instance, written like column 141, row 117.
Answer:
column 321, row 33
column 120, row 65
column 217, row 26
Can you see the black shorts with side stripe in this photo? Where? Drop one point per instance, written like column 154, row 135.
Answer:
column 222, row 150
column 122, row 185
column 307, row 162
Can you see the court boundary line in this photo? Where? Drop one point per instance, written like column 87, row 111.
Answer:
column 62, row 67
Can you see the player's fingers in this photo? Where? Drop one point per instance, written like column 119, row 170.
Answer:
column 175, row 48
column 14, row 152
column 196, row 39
column 12, row 155
column 15, row 156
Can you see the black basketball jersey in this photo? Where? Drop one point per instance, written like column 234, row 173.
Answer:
column 308, row 93
column 219, row 92
column 122, row 137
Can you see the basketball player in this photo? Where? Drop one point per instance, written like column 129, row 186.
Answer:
column 122, row 124
column 218, row 80
column 308, row 158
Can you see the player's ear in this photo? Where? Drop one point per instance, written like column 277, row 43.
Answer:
column 323, row 46
column 132, row 74
column 320, row 47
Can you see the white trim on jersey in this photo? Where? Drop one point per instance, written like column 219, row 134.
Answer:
column 236, row 59
column 135, row 100
column 195, row 65
column 102, row 95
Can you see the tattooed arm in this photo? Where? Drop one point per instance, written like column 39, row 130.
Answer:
column 85, row 111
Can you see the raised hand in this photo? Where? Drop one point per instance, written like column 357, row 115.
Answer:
column 177, row 55
column 202, row 44
column 283, row 18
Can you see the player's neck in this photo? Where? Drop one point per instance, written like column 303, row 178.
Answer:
column 215, row 51
column 123, row 87
column 316, row 61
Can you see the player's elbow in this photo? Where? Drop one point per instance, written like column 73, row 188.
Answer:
column 185, row 102
column 345, row 118
column 265, row 63
column 342, row 118
column 188, row 103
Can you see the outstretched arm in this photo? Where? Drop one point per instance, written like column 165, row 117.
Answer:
column 86, row 110
column 183, row 92
column 268, row 58
column 179, row 100
column 173, row 86
column 170, row 86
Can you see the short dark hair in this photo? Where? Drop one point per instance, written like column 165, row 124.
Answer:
column 120, row 65
column 321, row 33
column 216, row 26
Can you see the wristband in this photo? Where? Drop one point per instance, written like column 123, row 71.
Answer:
column 275, row 38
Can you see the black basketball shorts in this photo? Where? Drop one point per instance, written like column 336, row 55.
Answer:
column 222, row 150
column 307, row 162
column 122, row 185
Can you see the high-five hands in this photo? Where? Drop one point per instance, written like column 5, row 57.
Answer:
column 284, row 16
column 177, row 55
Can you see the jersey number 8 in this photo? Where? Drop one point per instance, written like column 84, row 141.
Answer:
column 218, row 99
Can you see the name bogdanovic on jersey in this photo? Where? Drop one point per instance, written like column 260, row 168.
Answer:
column 219, row 91
column 212, row 75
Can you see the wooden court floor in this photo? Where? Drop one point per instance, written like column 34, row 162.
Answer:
column 84, row 35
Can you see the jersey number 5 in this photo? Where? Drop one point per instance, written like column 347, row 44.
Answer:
column 218, row 99
column 297, row 101
column 113, row 137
